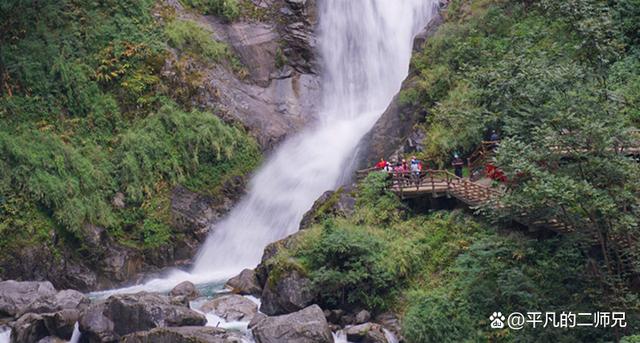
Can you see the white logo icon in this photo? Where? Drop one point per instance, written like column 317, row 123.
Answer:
column 497, row 320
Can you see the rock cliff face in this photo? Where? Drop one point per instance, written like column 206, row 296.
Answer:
column 278, row 48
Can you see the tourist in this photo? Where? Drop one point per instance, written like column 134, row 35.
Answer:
column 415, row 169
column 494, row 136
column 398, row 169
column 457, row 164
column 381, row 164
column 388, row 167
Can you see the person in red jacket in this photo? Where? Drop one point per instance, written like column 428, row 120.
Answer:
column 381, row 164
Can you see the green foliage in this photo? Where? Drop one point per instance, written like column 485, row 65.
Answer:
column 188, row 36
column 375, row 204
column 227, row 9
column 85, row 114
column 507, row 274
column 170, row 145
column 546, row 74
column 429, row 319
column 346, row 270
column 630, row 339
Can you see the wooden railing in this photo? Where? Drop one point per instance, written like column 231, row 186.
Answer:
column 442, row 181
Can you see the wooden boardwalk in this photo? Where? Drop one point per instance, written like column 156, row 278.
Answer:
column 440, row 183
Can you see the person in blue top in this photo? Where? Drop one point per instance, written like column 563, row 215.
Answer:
column 414, row 166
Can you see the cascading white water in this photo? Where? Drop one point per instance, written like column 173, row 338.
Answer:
column 365, row 48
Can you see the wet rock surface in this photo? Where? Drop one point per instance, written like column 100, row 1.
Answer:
column 232, row 308
column 185, row 289
column 245, row 283
column 305, row 326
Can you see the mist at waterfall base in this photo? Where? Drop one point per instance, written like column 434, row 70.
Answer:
column 365, row 48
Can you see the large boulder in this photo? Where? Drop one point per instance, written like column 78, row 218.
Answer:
column 305, row 326
column 266, row 264
column 287, row 293
column 232, row 308
column 330, row 203
column 366, row 333
column 123, row 314
column 71, row 299
column 185, row 334
column 95, row 327
column 16, row 297
column 245, row 283
column 185, row 289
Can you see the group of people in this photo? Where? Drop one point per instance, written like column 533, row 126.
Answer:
column 414, row 166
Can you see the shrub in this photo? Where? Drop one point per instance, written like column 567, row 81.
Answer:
column 437, row 317
column 227, row 9
column 188, row 36
column 374, row 203
column 346, row 270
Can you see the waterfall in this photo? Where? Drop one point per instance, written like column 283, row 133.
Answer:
column 365, row 48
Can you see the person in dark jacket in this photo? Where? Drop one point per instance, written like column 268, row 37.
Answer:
column 457, row 164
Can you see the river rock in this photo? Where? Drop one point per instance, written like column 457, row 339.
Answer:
column 256, row 319
column 61, row 324
column 123, row 314
column 28, row 328
column 290, row 293
column 390, row 321
column 232, row 307
column 362, row 317
column 366, row 333
column 185, row 334
column 185, row 289
column 71, row 299
column 305, row 326
column 245, row 283
column 15, row 297
column 95, row 327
